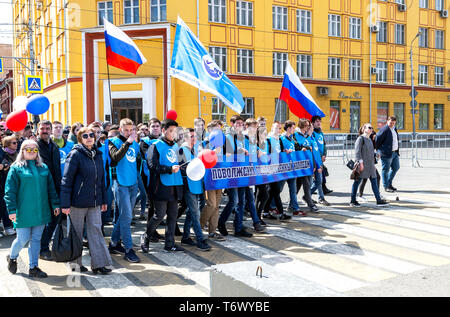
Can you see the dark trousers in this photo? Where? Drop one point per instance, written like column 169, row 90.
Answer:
column 262, row 196
column 364, row 181
column 48, row 233
column 163, row 208
column 304, row 181
column 7, row 223
column 274, row 194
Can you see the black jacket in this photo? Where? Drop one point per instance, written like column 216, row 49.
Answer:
column 51, row 157
column 383, row 141
column 83, row 183
column 158, row 191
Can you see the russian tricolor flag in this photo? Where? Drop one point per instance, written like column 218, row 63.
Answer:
column 121, row 52
column 295, row 94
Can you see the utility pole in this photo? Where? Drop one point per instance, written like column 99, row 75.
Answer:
column 415, row 162
column 36, row 118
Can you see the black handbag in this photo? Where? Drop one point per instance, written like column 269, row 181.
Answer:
column 351, row 164
column 66, row 249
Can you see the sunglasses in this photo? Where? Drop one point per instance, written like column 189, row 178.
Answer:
column 90, row 135
column 29, row 150
column 371, row 128
column 13, row 142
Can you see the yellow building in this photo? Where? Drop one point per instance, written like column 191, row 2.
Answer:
column 352, row 55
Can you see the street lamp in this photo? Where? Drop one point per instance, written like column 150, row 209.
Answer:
column 413, row 105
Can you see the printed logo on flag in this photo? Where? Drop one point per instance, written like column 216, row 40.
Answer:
column 33, row 85
column 211, row 68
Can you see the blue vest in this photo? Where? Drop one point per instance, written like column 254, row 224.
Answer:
column 63, row 152
column 195, row 187
column 320, row 142
column 275, row 147
column 252, row 149
column 168, row 156
column 301, row 140
column 316, row 153
column 288, row 144
column 126, row 169
column 106, row 158
column 144, row 165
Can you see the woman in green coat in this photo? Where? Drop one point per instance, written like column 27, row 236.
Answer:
column 30, row 196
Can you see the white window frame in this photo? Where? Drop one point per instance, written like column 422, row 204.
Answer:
column 438, row 76
column 105, row 12
column 279, row 61
column 131, row 9
column 423, row 37
column 219, row 55
column 216, row 114
column 249, row 102
column 244, row 13
column 439, row 5
column 304, row 66
column 158, row 5
column 334, row 25
column 423, row 75
column 304, row 21
column 334, row 68
column 400, row 34
column 245, row 61
column 399, row 73
column 423, row 4
column 382, row 69
column 354, row 28
column 354, row 66
column 382, row 35
column 280, row 18
column 439, row 39
column 217, row 13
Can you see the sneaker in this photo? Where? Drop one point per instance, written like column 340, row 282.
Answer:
column 36, row 272
column 269, row 216
column 299, row 213
column 393, row 188
column 259, row 227
column 314, row 209
column 284, row 217
column 275, row 211
column 243, row 233
column 324, row 202
column 131, row 256
column 46, row 255
column 389, row 190
column 216, row 236
column 382, row 202
column 10, row 232
column 354, row 204
column 203, row 246
column 145, row 243
column 12, row 264
column 326, row 191
column 188, row 241
column 174, row 248
column 118, row 249
column 222, row 229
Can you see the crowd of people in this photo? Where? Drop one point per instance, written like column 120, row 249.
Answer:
column 101, row 173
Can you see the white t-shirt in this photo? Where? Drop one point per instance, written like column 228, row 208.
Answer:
column 394, row 140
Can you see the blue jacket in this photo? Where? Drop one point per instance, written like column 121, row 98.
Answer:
column 83, row 183
column 383, row 141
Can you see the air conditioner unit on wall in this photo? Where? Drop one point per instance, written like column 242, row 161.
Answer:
column 444, row 13
column 373, row 70
column 323, row 91
column 401, row 7
column 374, row 28
column 40, row 5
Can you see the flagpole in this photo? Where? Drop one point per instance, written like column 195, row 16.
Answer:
column 109, row 87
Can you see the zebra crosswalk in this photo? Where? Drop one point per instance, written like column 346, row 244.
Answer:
column 336, row 251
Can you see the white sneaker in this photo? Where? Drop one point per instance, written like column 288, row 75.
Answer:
column 10, row 232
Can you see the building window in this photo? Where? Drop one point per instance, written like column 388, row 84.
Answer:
column 382, row 114
column 244, row 61
column 105, row 10
column 399, row 113
column 218, row 110
column 423, row 37
column 399, row 1
column 399, row 73
column 355, row 69
column 280, row 18
column 439, row 5
column 217, row 11
column 423, row 116
column 334, row 68
column 334, row 25
column 382, row 32
column 423, row 4
column 304, row 66
column 439, row 76
column 381, row 72
column 244, row 13
column 131, row 11
column 158, row 10
column 438, row 117
column 400, row 34
column 439, row 39
column 304, row 21
column 249, row 109
column 355, row 114
column 281, row 111
column 279, row 63
column 219, row 55
column 423, row 75
column 355, row 28
column 335, row 115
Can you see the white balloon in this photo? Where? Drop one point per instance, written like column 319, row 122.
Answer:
column 20, row 103
column 195, row 169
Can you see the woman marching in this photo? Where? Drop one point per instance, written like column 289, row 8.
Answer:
column 83, row 195
column 30, row 196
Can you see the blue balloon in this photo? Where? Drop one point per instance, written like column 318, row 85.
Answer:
column 38, row 104
column 216, row 138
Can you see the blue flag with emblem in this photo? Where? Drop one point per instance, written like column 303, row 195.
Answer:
column 193, row 64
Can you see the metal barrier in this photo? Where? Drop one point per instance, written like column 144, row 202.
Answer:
column 426, row 146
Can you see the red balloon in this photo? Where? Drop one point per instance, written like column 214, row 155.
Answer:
column 17, row 120
column 209, row 158
column 172, row 114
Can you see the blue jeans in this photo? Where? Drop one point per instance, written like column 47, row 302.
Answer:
column 245, row 194
column 192, row 216
column 125, row 199
column 317, row 185
column 142, row 196
column 233, row 200
column 32, row 234
column 389, row 166
column 292, row 184
column 375, row 190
